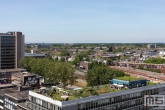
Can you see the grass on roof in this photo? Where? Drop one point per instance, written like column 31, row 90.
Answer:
column 128, row 78
column 85, row 92
column 152, row 83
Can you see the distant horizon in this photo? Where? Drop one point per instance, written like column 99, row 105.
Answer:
column 96, row 43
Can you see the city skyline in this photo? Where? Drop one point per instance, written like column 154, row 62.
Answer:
column 94, row 21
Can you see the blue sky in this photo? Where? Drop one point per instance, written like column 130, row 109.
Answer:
column 85, row 21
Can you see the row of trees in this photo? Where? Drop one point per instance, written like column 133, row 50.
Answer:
column 52, row 71
column 100, row 74
column 157, row 60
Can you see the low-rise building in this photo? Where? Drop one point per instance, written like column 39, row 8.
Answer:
column 84, row 65
column 26, row 79
column 11, row 95
column 131, row 99
column 12, row 100
column 5, row 74
column 129, row 82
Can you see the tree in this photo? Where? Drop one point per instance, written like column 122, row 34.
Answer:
column 157, row 60
column 65, row 73
column 140, row 67
column 81, row 57
column 49, row 55
column 64, row 52
column 84, row 47
column 52, row 71
column 62, row 59
column 43, row 49
column 76, row 61
column 101, row 74
column 109, row 62
column 56, row 59
column 95, row 64
column 141, row 55
column 124, row 57
column 110, row 49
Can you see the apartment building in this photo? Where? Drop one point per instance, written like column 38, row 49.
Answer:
column 11, row 49
column 151, row 46
column 132, row 99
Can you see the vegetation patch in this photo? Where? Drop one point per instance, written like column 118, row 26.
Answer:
column 149, row 69
column 100, row 74
column 81, row 84
column 157, row 60
column 128, row 78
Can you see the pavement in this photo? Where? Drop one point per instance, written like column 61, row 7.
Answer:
column 80, row 73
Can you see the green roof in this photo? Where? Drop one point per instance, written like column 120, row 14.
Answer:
column 85, row 92
column 128, row 78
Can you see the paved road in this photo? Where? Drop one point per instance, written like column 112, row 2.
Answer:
column 80, row 73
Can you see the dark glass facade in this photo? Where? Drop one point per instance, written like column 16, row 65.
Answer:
column 7, row 47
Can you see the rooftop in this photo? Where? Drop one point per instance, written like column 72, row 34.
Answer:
column 23, row 74
column 22, row 105
column 128, row 78
column 95, row 97
column 6, row 86
column 7, row 90
column 34, row 55
column 19, row 95
column 61, row 94
column 12, row 70
column 13, row 91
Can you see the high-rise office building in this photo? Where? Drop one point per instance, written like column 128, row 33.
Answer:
column 11, row 49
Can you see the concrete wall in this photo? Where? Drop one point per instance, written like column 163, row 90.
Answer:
column 19, row 47
column 72, row 107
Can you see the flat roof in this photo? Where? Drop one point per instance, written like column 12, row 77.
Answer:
column 101, row 96
column 12, row 70
column 19, row 95
column 128, row 78
column 33, row 55
column 22, row 105
column 3, row 34
column 8, row 90
column 6, row 85
column 23, row 74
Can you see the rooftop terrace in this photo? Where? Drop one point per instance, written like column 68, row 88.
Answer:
column 61, row 94
column 91, row 98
